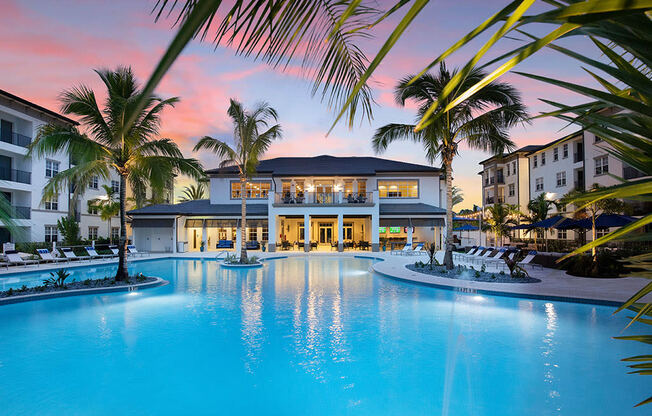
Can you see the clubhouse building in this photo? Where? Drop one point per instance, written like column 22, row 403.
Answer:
column 304, row 203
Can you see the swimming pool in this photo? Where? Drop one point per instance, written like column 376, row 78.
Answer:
column 309, row 335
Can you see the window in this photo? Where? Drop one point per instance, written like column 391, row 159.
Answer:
column 362, row 187
column 252, row 233
column 511, row 189
column 52, row 204
column 543, row 158
column 398, row 189
column 115, row 186
column 539, row 233
column 514, row 167
column 534, row 161
column 561, row 179
column 51, row 233
column 92, row 209
column 562, row 234
column 508, row 169
column 565, row 151
column 255, row 190
column 347, row 231
column 92, row 233
column 115, row 233
column 555, row 154
column 51, row 168
column 539, row 184
column 265, row 235
column 94, row 183
column 601, row 232
column 601, row 165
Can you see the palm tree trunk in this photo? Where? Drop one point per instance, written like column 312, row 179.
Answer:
column 110, row 239
column 448, row 257
column 122, row 273
column 593, row 251
column 243, row 222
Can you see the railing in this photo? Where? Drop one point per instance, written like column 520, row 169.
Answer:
column 489, row 200
column 631, row 173
column 500, row 179
column 578, row 157
column 15, row 175
column 501, row 199
column 322, row 198
column 21, row 212
column 16, row 139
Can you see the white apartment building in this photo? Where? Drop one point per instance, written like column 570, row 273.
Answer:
column 23, row 178
column 308, row 203
column 576, row 161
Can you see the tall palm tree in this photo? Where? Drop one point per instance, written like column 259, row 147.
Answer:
column 250, row 145
column 538, row 209
column 458, row 196
column 193, row 192
column 109, row 145
column 481, row 122
column 500, row 218
column 108, row 205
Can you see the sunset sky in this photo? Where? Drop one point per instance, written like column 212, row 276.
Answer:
column 50, row 45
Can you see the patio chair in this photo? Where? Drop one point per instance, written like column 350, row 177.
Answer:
column 439, row 256
column 114, row 250
column 224, row 244
column 527, row 261
column 480, row 258
column 287, row 198
column 407, row 247
column 46, row 256
column 131, row 249
column 252, row 245
column 462, row 256
column 350, row 199
column 361, row 199
column 70, row 255
column 95, row 255
column 13, row 258
column 299, row 199
column 334, row 245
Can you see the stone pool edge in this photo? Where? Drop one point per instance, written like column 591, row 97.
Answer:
column 80, row 292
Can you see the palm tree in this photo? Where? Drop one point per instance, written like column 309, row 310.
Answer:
column 482, row 122
column 538, row 209
column 107, row 205
column 458, row 195
column 500, row 219
column 193, row 192
column 250, row 145
column 110, row 146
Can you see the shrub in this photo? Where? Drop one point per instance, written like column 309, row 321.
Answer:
column 607, row 265
column 69, row 229
column 57, row 279
column 477, row 274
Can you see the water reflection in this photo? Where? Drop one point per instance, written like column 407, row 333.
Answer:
column 548, row 350
column 251, row 307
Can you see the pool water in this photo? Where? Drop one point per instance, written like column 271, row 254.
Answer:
column 309, row 336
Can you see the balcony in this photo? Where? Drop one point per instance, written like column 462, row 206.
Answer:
column 489, row 200
column 500, row 179
column 15, row 175
column 322, row 198
column 578, row 157
column 20, row 213
column 16, row 139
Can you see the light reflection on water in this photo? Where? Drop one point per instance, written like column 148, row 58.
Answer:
column 309, row 336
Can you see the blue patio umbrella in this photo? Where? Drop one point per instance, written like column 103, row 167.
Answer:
column 605, row 221
column 466, row 227
column 557, row 221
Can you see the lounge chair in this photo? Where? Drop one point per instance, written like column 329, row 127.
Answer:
column 439, row 256
column 70, row 255
column 483, row 256
column 13, row 258
column 95, row 255
column 131, row 249
column 407, row 247
column 46, row 256
column 418, row 249
column 463, row 256
column 114, row 250
column 224, row 244
column 252, row 245
column 527, row 261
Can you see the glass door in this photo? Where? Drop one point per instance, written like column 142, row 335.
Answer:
column 325, row 233
column 324, row 192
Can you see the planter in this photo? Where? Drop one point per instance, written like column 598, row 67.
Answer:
column 241, row 266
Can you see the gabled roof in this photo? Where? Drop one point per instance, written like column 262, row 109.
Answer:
column 558, row 141
column 525, row 149
column 37, row 107
column 325, row 165
column 200, row 207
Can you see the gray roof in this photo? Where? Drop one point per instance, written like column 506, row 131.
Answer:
column 37, row 107
column 525, row 149
column 329, row 165
column 418, row 208
column 200, row 207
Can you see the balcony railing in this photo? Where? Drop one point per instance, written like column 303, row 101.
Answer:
column 323, row 198
column 16, row 139
column 500, row 179
column 578, row 157
column 24, row 213
column 15, row 175
column 489, row 200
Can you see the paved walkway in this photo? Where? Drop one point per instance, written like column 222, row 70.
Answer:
column 555, row 284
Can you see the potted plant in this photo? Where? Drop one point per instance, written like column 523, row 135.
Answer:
column 202, row 246
column 383, row 243
column 263, row 246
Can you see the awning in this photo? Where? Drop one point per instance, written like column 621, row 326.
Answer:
column 152, row 223
column 225, row 223
column 412, row 222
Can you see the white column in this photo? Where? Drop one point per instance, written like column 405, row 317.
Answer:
column 409, row 235
column 271, row 232
column 174, row 236
column 375, row 233
column 340, row 232
column 306, row 232
column 204, row 235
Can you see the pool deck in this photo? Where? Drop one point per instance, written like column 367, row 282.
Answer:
column 554, row 284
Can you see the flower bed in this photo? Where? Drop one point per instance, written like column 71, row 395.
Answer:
column 468, row 274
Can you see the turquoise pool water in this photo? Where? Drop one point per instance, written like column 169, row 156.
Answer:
column 309, row 336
